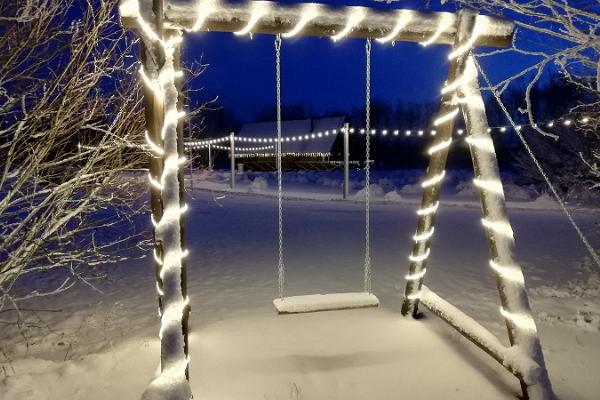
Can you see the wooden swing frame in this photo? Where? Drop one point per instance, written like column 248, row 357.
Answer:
column 166, row 17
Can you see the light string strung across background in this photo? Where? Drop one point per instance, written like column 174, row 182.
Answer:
column 565, row 122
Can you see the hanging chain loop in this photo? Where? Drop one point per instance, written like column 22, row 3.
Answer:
column 280, row 264
column 367, row 266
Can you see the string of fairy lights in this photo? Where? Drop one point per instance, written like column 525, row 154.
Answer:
column 396, row 133
column 389, row 133
column 465, row 90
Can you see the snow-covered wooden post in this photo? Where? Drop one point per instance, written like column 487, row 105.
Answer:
column 346, row 131
column 432, row 183
column 160, row 60
column 210, row 164
column 232, row 159
column 522, row 330
column 524, row 357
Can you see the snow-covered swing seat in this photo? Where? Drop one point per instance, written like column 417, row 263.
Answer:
column 330, row 301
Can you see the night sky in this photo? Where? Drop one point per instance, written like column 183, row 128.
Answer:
column 323, row 75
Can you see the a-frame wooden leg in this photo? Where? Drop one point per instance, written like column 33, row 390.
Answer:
column 435, row 172
column 515, row 309
column 462, row 89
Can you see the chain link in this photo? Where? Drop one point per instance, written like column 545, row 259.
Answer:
column 280, row 264
column 367, row 266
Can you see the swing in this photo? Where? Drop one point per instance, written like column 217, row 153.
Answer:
column 331, row 301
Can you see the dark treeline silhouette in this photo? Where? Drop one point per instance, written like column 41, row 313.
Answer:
column 550, row 101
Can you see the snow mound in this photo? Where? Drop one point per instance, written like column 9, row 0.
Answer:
column 515, row 192
column 258, row 184
column 387, row 184
column 392, row 196
column 376, row 191
column 545, row 202
column 411, row 188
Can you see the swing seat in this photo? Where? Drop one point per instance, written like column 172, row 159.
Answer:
column 325, row 302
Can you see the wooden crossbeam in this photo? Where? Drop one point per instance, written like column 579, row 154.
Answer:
column 203, row 15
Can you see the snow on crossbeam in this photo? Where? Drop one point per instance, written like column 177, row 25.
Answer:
column 514, row 359
column 325, row 302
column 272, row 18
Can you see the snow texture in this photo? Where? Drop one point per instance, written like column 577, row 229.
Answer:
column 183, row 14
column 512, row 292
column 105, row 345
column 325, row 302
column 171, row 382
column 511, row 357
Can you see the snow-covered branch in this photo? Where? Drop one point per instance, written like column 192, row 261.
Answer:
column 65, row 210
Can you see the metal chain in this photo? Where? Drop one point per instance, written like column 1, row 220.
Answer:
column 280, row 264
column 367, row 266
column 539, row 167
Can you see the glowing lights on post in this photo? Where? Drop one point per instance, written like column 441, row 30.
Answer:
column 439, row 146
column 428, row 210
column 466, row 46
column 510, row 273
column 434, row 180
column 404, row 17
column 482, row 143
column 501, row 228
column 424, row 236
column 205, row 8
column 493, row 186
column 355, row 16
column 416, row 276
column 445, row 22
column 259, row 10
column 446, row 117
column 522, row 321
column 309, row 12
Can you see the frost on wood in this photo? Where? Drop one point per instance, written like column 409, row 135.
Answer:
column 172, row 382
column 326, row 21
column 323, row 302
column 516, row 309
column 513, row 358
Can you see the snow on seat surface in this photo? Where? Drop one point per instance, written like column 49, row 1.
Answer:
column 325, row 302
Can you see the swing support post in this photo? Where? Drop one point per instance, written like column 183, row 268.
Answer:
column 437, row 166
column 346, row 188
column 232, row 159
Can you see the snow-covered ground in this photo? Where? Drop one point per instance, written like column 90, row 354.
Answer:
column 105, row 345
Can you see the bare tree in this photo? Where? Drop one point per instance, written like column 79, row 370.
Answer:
column 556, row 36
column 69, row 115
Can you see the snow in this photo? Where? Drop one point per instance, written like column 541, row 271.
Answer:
column 106, row 344
column 258, row 184
column 324, row 302
column 515, row 303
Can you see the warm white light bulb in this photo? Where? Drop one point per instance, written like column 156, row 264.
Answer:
column 356, row 15
column 259, row 10
column 404, row 17
column 309, row 12
column 445, row 22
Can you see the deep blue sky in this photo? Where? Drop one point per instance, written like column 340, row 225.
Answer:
column 323, row 75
